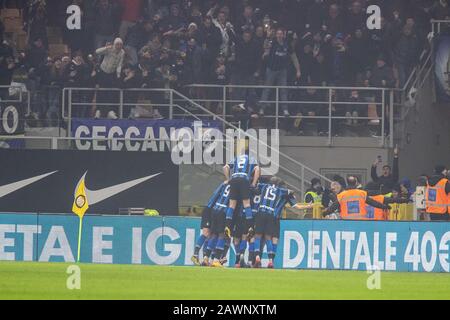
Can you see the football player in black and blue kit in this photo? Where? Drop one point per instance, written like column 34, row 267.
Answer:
column 244, row 230
column 217, row 241
column 267, row 219
column 288, row 199
column 242, row 175
column 205, row 225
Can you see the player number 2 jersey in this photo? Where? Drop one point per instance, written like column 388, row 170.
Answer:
column 243, row 167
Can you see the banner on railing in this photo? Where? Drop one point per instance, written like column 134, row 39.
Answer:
column 335, row 245
column 12, row 120
column 130, row 129
column 442, row 68
column 45, row 181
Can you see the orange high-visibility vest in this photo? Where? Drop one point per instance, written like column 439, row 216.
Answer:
column 353, row 204
column 375, row 213
column 436, row 200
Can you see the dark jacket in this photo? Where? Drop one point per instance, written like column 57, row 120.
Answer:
column 406, row 50
column 386, row 183
column 212, row 38
column 137, row 36
column 247, row 57
column 380, row 74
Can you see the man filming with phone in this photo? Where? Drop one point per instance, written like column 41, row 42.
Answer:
column 390, row 175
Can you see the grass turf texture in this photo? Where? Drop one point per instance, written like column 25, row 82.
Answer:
column 48, row 281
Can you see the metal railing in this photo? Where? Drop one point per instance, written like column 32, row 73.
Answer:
column 74, row 99
column 330, row 105
column 436, row 26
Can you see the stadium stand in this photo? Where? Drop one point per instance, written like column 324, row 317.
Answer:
column 179, row 43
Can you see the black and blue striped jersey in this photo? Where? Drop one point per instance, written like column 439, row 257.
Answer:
column 270, row 196
column 289, row 198
column 222, row 201
column 243, row 167
column 217, row 193
column 254, row 202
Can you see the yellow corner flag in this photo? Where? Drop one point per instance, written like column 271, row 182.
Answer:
column 79, row 207
column 80, row 203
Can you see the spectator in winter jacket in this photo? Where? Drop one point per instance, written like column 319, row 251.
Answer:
column 406, row 52
column 247, row 63
column 389, row 177
column 382, row 75
column 358, row 54
column 137, row 38
column 210, row 39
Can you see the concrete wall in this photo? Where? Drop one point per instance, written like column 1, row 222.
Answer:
column 347, row 155
column 425, row 139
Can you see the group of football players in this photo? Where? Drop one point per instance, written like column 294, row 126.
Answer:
column 244, row 211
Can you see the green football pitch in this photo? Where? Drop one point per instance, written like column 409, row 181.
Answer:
column 49, row 281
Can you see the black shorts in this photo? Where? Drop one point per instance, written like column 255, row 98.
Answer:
column 241, row 227
column 265, row 223
column 218, row 219
column 276, row 233
column 206, row 218
column 239, row 189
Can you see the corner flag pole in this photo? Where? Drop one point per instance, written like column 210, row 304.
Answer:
column 79, row 238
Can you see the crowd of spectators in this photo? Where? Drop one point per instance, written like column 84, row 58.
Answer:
column 160, row 43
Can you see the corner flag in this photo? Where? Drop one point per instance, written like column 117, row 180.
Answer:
column 79, row 207
column 80, row 203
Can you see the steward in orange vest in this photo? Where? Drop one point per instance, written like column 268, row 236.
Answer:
column 374, row 192
column 352, row 202
column 437, row 195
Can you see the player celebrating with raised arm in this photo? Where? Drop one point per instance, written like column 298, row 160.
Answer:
column 243, row 175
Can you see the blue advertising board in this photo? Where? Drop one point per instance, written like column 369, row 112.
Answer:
column 304, row 244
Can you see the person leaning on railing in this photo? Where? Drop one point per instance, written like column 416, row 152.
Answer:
column 437, row 195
